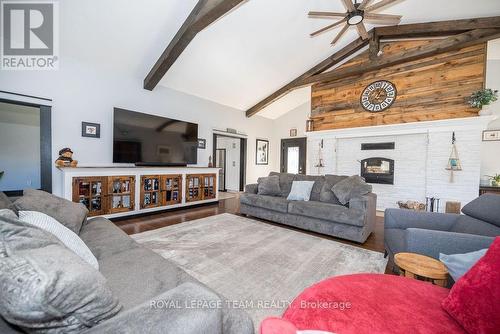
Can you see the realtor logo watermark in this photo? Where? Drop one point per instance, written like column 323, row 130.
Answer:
column 29, row 35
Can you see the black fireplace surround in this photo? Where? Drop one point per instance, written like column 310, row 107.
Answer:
column 378, row 170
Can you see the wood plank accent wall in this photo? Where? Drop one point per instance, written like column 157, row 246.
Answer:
column 432, row 88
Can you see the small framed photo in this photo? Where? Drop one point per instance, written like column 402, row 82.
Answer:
column 91, row 130
column 293, row 132
column 491, row 135
column 262, row 152
column 202, row 143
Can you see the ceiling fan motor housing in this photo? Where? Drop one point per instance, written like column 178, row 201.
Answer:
column 356, row 16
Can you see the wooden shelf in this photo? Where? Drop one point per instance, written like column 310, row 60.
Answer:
column 89, row 191
column 201, row 187
column 130, row 191
column 171, row 188
column 121, row 194
column 150, row 191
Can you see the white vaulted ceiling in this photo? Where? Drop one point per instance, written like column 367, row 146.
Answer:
column 264, row 44
column 238, row 60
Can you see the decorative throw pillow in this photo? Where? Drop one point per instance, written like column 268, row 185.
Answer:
column 269, row 186
column 64, row 234
column 301, row 191
column 326, row 195
column 459, row 264
column 6, row 203
column 353, row 186
column 72, row 215
column 486, row 207
column 48, row 289
column 474, row 300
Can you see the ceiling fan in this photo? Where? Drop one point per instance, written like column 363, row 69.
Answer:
column 357, row 14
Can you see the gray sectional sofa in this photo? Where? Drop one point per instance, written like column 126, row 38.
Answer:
column 138, row 278
column 430, row 233
column 323, row 213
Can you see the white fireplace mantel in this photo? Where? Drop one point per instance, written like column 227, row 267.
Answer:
column 456, row 124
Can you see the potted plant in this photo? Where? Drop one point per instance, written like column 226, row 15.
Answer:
column 495, row 180
column 483, row 97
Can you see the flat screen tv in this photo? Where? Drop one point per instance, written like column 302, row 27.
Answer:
column 148, row 140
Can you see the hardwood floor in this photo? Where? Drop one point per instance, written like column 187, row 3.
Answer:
column 232, row 205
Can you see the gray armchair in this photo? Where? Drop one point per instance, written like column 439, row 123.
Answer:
column 433, row 233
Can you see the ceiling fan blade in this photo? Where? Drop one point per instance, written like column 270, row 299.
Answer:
column 382, row 16
column 364, row 4
column 340, row 34
column 380, row 4
column 331, row 26
column 348, row 5
column 326, row 14
column 362, row 30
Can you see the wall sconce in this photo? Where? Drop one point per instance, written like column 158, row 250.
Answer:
column 310, row 125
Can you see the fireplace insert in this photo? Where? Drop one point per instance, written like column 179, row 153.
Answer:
column 378, row 170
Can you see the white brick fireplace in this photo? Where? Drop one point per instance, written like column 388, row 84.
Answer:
column 420, row 157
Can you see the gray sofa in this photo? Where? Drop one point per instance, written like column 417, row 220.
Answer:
column 354, row 221
column 138, row 277
column 433, row 233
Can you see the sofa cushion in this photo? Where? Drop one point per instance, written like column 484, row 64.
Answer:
column 353, row 186
column 69, row 238
column 49, row 289
column 319, row 181
column 269, row 186
column 72, row 215
column 330, row 212
column 474, row 300
column 267, row 202
column 301, row 191
column 459, row 264
column 326, row 192
column 138, row 275
column 469, row 225
column 485, row 207
column 286, row 180
column 104, row 238
column 6, row 203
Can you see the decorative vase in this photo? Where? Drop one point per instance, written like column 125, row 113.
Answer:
column 485, row 111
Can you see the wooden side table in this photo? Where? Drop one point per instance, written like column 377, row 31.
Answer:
column 415, row 265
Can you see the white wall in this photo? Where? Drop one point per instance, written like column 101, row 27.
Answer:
column 490, row 151
column 83, row 92
column 295, row 118
column 232, row 176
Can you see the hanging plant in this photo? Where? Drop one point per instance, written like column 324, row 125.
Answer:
column 483, row 97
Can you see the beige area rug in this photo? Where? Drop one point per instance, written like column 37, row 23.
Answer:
column 260, row 267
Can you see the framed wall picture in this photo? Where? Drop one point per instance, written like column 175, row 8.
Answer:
column 91, row 130
column 293, row 132
column 262, row 152
column 202, row 143
column 491, row 135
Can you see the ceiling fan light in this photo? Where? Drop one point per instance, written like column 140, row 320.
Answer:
column 355, row 19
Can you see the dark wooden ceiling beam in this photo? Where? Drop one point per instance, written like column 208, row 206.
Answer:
column 326, row 64
column 463, row 40
column 440, row 28
column 204, row 13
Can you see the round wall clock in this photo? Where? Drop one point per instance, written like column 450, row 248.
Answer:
column 378, row 96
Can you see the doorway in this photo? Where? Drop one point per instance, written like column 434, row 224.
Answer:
column 220, row 162
column 230, row 156
column 293, row 155
column 25, row 147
